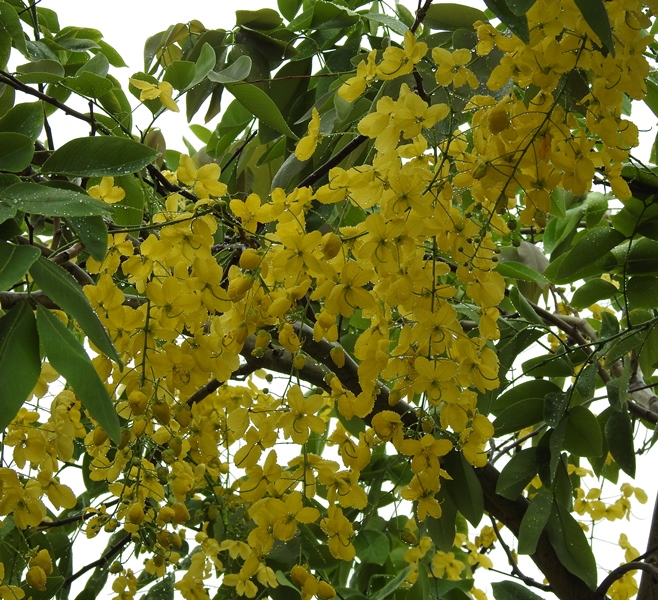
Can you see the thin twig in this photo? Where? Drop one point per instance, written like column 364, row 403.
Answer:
column 515, row 568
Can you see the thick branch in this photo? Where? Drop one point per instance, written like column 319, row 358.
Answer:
column 649, row 582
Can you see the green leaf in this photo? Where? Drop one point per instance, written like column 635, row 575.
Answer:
column 328, row 15
column 41, row 199
column 15, row 262
column 642, row 291
column 111, row 54
column 510, row 590
column 40, row 71
column 99, row 157
column 372, row 546
column 520, row 7
column 593, row 291
column 236, row 71
column 264, row 19
column 92, row 232
column 517, row 24
column 517, row 270
column 130, row 210
column 392, row 585
column 534, row 521
column 517, row 474
column 180, row 74
column 548, row 365
column 619, row 436
column 524, row 307
column 520, row 415
column 64, row 291
column 464, row 488
column 571, row 545
column 205, row 63
column 89, row 84
column 596, row 16
column 536, row 389
column 10, row 22
column 391, row 22
column 16, row 151
column 261, row 106
column 451, row 16
column 19, row 360
column 589, row 249
column 442, row 530
column 583, row 436
column 26, row 118
column 555, row 404
column 69, row 359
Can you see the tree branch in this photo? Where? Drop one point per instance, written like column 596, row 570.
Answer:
column 648, row 583
column 105, row 558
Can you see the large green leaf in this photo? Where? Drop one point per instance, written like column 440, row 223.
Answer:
column 69, row 359
column 536, row 388
column 92, row 232
column 534, row 521
column 520, row 415
column 180, row 74
column 11, row 23
column 16, row 151
column 26, row 118
column 588, row 250
column 619, row 436
column 593, row 291
column 64, row 291
column 642, row 291
column 99, row 157
column 41, row 199
column 15, row 262
column 130, row 210
column 510, row 590
column 20, row 363
column 261, row 106
column 372, row 546
column 89, row 84
column 451, row 16
column 236, row 71
column 517, row 474
column 583, row 436
column 264, row 19
column 596, row 15
column 571, row 545
column 517, row 270
column 464, row 488
column 391, row 22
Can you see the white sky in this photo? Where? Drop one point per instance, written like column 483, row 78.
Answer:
column 126, row 24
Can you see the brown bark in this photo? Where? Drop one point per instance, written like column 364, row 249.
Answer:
column 648, row 583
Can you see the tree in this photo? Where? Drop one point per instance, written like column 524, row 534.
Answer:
column 396, row 311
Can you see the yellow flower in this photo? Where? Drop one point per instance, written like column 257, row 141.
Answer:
column 107, row 191
column 306, row 146
column 150, row 91
column 400, row 61
column 302, row 415
column 339, row 530
column 445, row 564
column 205, row 179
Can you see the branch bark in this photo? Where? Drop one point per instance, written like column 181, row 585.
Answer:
column 649, row 582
